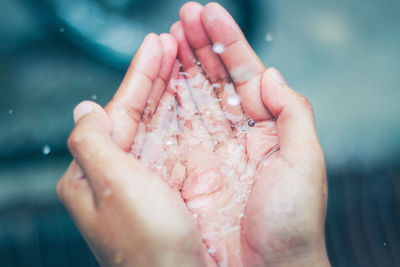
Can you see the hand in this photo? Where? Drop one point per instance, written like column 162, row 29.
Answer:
column 254, row 173
column 128, row 216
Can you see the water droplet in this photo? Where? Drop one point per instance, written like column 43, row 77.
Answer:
column 251, row 123
column 218, row 48
column 168, row 142
column 269, row 37
column 149, row 101
column 198, row 63
column 241, row 215
column 384, row 244
column 234, row 100
column 170, row 108
column 10, row 111
column 62, row 29
column 184, row 73
column 94, row 97
column 107, row 192
column 195, row 215
column 46, row 149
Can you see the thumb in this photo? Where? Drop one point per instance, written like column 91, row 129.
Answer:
column 293, row 113
column 91, row 137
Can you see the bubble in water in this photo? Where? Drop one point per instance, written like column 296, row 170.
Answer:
column 168, row 142
column 218, row 48
column 46, row 149
column 251, row 123
column 62, row 29
column 212, row 249
column 269, row 37
column 384, row 244
column 234, row 100
column 10, row 111
column 94, row 97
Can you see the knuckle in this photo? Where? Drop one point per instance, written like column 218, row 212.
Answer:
column 74, row 139
column 60, row 189
column 305, row 102
column 78, row 137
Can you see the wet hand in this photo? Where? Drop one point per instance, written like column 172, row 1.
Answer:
column 126, row 213
column 255, row 172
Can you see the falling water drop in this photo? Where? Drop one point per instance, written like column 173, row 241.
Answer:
column 46, row 150
column 10, row 111
column 62, row 29
column 218, row 48
column 269, row 37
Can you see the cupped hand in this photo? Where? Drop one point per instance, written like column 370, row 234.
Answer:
column 227, row 137
column 126, row 213
column 251, row 169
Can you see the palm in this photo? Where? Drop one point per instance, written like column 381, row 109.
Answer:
column 220, row 155
column 194, row 148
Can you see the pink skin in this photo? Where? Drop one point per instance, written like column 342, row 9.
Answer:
column 252, row 175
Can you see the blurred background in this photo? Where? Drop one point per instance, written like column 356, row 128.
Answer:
column 343, row 55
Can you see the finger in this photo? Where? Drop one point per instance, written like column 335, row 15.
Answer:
column 170, row 49
column 294, row 114
column 190, row 15
column 242, row 63
column 95, row 151
column 200, row 88
column 201, row 45
column 76, row 194
column 126, row 107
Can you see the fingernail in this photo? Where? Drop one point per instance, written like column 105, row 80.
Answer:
column 277, row 76
column 81, row 110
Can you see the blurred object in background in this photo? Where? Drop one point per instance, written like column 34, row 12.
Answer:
column 112, row 30
column 343, row 55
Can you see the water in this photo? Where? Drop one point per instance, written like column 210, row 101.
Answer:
column 46, row 150
column 234, row 100
column 218, row 48
column 269, row 37
column 10, row 111
column 107, row 192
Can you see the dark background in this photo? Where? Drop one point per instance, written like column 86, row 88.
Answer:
column 343, row 55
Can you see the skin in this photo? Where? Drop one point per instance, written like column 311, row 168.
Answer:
column 171, row 173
